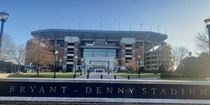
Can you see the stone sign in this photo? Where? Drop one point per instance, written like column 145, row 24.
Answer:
column 100, row 89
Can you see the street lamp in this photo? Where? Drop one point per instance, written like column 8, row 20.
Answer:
column 207, row 21
column 139, row 58
column 56, row 54
column 3, row 17
column 75, row 66
column 82, row 65
column 60, row 64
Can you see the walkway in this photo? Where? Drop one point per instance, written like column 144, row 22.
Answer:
column 95, row 75
column 4, row 75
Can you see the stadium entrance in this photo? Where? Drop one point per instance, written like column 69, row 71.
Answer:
column 104, row 65
column 99, row 58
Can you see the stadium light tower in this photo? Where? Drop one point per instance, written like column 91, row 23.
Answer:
column 3, row 17
column 207, row 21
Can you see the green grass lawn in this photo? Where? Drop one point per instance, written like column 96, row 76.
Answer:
column 43, row 75
column 70, row 75
column 135, row 75
column 186, row 79
column 180, row 76
column 150, row 75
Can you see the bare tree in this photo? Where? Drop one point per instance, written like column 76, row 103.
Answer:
column 11, row 52
column 116, row 64
column 39, row 53
column 133, row 65
column 178, row 55
column 17, row 55
column 7, row 45
column 164, row 57
column 202, row 42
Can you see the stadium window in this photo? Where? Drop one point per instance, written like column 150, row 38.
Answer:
column 70, row 49
column 69, row 57
column 69, row 66
column 128, row 53
column 70, row 44
column 70, row 60
column 128, row 50
column 128, row 58
column 128, row 45
column 70, row 52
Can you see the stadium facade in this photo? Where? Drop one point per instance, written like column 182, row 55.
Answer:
column 108, row 50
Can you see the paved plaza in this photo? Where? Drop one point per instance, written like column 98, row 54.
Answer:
column 95, row 75
column 4, row 75
column 100, row 75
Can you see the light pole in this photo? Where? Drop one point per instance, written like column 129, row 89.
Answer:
column 55, row 66
column 139, row 58
column 3, row 17
column 75, row 66
column 207, row 21
column 82, row 65
column 60, row 64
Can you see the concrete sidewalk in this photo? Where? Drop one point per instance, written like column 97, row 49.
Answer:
column 95, row 75
column 4, row 75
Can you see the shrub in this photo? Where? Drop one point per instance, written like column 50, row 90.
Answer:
column 171, row 75
column 124, row 71
column 180, row 75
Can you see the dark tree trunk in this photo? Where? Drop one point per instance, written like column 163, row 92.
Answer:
column 37, row 70
column 18, row 68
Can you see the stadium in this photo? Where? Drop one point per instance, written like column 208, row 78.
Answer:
column 107, row 50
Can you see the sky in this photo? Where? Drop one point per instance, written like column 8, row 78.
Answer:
column 181, row 20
